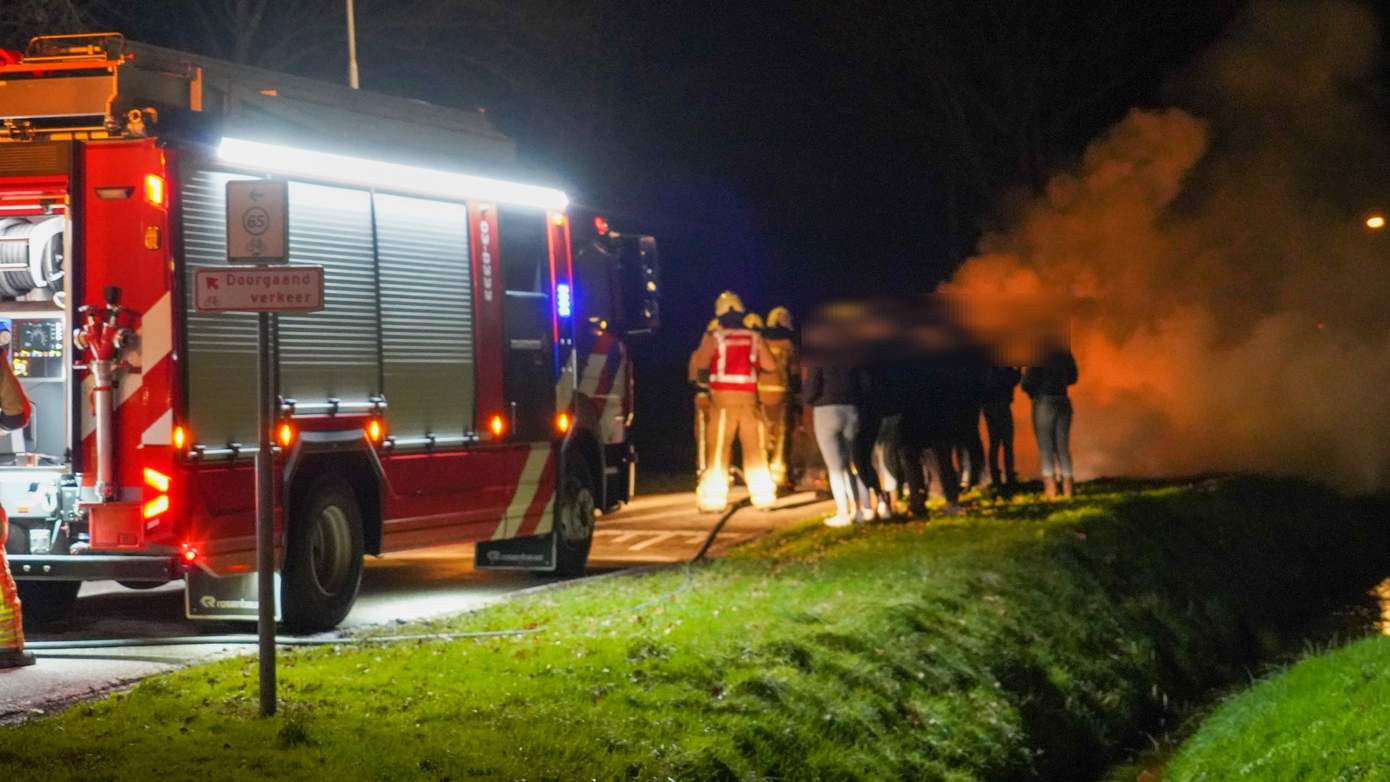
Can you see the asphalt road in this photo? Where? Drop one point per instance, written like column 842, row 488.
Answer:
column 397, row 588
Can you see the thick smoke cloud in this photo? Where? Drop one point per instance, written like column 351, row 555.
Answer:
column 1237, row 310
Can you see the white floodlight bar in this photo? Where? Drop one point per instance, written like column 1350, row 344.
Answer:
column 293, row 161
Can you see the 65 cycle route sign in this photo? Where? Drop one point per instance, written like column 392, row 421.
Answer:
column 258, row 215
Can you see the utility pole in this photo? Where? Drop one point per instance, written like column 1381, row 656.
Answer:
column 352, row 47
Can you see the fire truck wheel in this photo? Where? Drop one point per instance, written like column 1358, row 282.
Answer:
column 574, row 519
column 46, row 601
column 323, row 558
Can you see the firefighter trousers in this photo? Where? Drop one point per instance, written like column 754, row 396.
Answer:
column 735, row 414
column 702, row 408
column 11, row 621
column 777, row 415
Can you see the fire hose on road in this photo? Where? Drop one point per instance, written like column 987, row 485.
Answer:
column 57, row 649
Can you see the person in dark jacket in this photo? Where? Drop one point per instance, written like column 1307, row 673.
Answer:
column 874, row 408
column 835, row 394
column 1000, row 383
column 926, row 430
column 968, row 379
column 1047, row 386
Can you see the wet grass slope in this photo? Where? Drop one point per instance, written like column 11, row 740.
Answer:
column 1022, row 640
column 1324, row 718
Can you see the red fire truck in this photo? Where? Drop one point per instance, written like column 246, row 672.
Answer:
column 467, row 380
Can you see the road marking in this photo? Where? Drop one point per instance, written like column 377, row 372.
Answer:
column 640, row 539
column 652, row 541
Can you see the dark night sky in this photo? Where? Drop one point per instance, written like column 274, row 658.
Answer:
column 787, row 149
column 791, row 150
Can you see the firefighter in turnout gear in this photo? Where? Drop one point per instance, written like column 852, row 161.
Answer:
column 702, row 407
column 734, row 356
column 14, row 414
column 775, row 391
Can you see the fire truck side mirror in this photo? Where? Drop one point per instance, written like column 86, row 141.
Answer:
column 640, row 268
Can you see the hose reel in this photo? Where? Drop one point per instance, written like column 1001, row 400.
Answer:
column 31, row 255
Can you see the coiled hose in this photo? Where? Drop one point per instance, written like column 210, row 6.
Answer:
column 42, row 254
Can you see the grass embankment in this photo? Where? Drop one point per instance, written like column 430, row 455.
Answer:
column 1020, row 640
column 1323, row 719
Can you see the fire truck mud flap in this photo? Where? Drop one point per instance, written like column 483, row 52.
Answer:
column 231, row 599
column 535, row 552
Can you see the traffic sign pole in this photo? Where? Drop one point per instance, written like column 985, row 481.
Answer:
column 265, row 518
column 258, row 232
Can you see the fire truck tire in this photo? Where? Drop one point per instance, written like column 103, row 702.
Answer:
column 574, row 518
column 323, row 558
column 46, row 601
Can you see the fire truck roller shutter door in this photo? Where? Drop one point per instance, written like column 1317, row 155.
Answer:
column 221, row 346
column 427, row 315
column 333, row 353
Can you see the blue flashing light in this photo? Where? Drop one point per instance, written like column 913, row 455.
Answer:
column 564, row 302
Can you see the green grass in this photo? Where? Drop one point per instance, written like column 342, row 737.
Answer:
column 1021, row 640
column 1323, row 719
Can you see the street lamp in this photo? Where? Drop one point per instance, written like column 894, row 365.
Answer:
column 1375, row 222
column 352, row 47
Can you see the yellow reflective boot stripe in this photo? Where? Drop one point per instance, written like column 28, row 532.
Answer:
column 11, row 636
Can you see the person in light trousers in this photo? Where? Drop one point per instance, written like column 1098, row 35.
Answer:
column 1047, row 386
column 835, row 394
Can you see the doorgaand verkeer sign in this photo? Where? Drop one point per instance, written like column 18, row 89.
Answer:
column 258, row 289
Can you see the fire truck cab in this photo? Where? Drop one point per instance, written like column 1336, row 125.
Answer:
column 467, row 380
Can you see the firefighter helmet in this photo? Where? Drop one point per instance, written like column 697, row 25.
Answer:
column 728, row 301
column 779, row 316
column 753, row 321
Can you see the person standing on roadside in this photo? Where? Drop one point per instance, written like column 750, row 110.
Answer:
column 929, row 427
column 14, row 414
column 703, row 404
column 835, row 394
column 776, row 391
column 1000, row 383
column 873, row 408
column 967, row 400
column 734, row 356
column 1047, row 385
